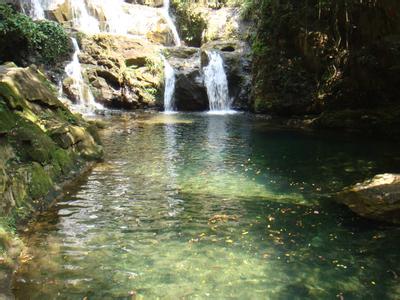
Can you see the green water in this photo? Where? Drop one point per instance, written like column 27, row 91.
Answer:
column 214, row 207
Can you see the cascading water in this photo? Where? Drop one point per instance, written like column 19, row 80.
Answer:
column 86, row 102
column 117, row 20
column 33, row 8
column 217, row 84
column 81, row 18
column 169, row 90
column 170, row 23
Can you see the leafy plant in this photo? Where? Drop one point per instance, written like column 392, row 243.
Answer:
column 22, row 39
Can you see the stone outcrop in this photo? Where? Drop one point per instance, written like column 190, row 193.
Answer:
column 190, row 92
column 41, row 141
column 378, row 198
column 123, row 72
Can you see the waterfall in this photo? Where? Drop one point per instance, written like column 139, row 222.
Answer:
column 74, row 71
column 170, row 23
column 169, row 90
column 217, row 84
column 117, row 20
column 32, row 8
column 81, row 18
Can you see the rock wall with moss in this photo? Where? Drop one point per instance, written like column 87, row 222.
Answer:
column 41, row 144
column 335, row 60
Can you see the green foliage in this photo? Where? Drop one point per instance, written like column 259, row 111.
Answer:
column 22, row 39
column 155, row 65
column 190, row 22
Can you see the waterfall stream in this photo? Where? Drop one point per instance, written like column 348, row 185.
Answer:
column 171, row 23
column 33, row 8
column 169, row 89
column 85, row 102
column 217, row 84
column 81, row 18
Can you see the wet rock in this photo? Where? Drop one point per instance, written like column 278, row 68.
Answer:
column 378, row 198
column 190, row 92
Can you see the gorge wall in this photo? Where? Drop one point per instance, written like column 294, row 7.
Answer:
column 336, row 61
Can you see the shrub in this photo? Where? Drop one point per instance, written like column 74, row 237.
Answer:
column 23, row 40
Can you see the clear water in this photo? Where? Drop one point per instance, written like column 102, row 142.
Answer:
column 220, row 207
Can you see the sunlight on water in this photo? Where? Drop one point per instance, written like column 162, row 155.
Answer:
column 202, row 206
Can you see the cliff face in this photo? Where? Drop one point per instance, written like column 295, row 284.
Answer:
column 337, row 60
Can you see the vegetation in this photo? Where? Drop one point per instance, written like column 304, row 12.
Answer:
column 313, row 56
column 190, row 22
column 23, row 40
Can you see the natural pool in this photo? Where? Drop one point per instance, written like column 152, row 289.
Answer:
column 197, row 206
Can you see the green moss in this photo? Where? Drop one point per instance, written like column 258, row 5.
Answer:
column 31, row 143
column 62, row 161
column 10, row 96
column 40, row 182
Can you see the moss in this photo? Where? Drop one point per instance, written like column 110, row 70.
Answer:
column 62, row 161
column 10, row 96
column 40, row 182
column 31, row 143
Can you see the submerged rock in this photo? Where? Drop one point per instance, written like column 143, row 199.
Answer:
column 378, row 198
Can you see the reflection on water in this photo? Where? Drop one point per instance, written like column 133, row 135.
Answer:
column 205, row 206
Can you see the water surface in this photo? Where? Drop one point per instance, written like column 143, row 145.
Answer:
column 197, row 206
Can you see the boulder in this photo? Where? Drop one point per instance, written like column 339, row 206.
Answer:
column 190, row 92
column 123, row 72
column 378, row 198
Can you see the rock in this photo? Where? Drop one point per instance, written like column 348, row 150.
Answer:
column 123, row 72
column 378, row 198
column 190, row 93
column 42, row 133
column 222, row 24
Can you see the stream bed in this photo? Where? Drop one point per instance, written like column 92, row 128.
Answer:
column 198, row 206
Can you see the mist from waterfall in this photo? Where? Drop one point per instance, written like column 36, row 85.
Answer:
column 171, row 23
column 217, row 84
column 169, row 89
column 85, row 102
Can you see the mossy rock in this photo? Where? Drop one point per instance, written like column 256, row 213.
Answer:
column 40, row 182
